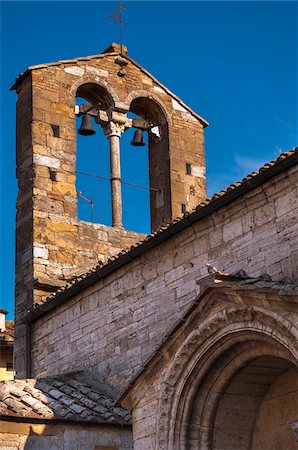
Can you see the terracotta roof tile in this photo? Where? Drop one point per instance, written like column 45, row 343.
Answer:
column 62, row 398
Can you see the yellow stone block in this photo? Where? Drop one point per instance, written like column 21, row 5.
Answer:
column 41, row 128
column 41, row 171
column 41, row 192
column 71, row 179
column 103, row 248
column 40, row 149
column 61, row 257
column 64, row 188
column 22, row 428
column 62, row 109
column 59, row 226
column 44, row 184
column 147, row 81
column 70, row 244
column 49, row 236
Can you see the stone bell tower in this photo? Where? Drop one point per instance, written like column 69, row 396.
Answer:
column 52, row 244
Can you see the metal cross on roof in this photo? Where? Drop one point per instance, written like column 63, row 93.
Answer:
column 118, row 18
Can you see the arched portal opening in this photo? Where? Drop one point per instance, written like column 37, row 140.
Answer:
column 92, row 160
column 242, row 394
column 156, row 156
column 258, row 408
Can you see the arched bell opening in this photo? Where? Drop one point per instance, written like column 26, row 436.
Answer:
column 156, row 135
column 135, row 179
column 96, row 94
column 92, row 160
column 240, row 394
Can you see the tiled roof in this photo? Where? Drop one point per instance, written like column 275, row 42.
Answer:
column 59, row 398
column 267, row 171
column 7, row 335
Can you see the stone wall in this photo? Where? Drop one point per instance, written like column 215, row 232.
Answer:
column 226, row 379
column 52, row 244
column 112, row 327
column 63, row 436
column 276, row 423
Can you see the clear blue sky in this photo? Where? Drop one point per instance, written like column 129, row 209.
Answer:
column 235, row 63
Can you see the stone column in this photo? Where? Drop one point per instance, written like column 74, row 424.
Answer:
column 113, row 132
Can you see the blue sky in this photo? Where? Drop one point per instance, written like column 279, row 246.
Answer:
column 234, row 63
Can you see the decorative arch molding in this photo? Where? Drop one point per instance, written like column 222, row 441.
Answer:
column 226, row 331
column 141, row 93
column 96, row 81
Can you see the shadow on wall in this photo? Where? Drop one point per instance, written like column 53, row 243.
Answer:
column 76, row 437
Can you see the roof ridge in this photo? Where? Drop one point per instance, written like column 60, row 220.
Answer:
column 104, row 268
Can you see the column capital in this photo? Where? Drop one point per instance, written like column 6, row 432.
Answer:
column 113, row 129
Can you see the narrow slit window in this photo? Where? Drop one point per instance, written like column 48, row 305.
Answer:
column 56, row 130
column 188, row 168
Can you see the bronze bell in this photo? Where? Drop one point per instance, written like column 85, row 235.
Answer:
column 86, row 128
column 138, row 139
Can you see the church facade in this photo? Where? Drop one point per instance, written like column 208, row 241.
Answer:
column 182, row 339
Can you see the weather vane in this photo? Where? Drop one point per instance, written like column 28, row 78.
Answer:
column 118, row 18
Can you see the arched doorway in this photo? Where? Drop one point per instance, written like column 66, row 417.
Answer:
column 230, row 407
column 258, row 408
column 232, row 385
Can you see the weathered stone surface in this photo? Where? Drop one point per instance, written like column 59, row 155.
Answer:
column 123, row 320
column 80, row 245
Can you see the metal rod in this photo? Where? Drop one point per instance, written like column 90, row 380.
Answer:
column 123, row 182
column 121, row 8
column 91, row 203
column 92, row 210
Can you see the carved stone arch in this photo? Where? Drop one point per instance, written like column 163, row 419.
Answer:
column 95, row 89
column 226, row 332
column 138, row 94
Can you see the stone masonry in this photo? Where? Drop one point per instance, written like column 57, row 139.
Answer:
column 113, row 326
column 52, row 244
column 191, row 329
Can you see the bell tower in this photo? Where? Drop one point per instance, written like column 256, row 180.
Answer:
column 52, row 244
